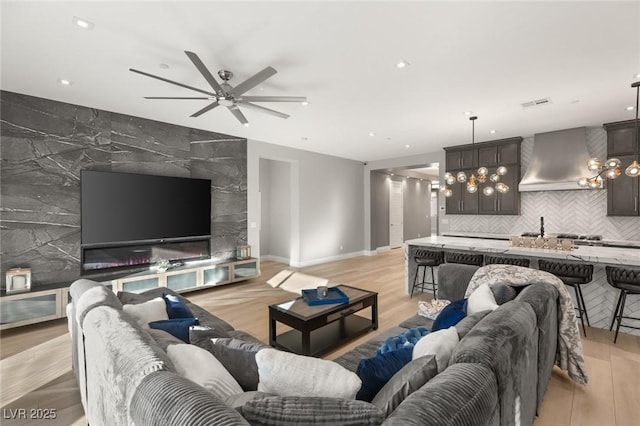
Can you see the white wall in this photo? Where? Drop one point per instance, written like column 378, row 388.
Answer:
column 275, row 223
column 327, row 203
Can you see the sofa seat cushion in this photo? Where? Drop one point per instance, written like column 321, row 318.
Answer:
column 376, row 371
column 409, row 379
column 199, row 366
column 288, row 374
column 463, row 394
column 351, row 359
column 417, row 321
column 297, row 410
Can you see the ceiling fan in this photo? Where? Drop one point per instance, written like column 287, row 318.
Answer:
column 226, row 95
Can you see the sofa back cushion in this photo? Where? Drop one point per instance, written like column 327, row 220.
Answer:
column 463, row 394
column 507, row 342
column 453, row 280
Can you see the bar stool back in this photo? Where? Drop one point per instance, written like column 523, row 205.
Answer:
column 466, row 258
column 627, row 280
column 574, row 275
column 504, row 260
column 426, row 259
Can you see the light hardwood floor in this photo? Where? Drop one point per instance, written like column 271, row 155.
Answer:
column 35, row 361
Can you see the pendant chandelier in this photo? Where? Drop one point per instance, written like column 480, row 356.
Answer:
column 483, row 175
column 611, row 168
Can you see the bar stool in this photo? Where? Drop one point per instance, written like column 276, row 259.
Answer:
column 628, row 282
column 574, row 275
column 466, row 258
column 504, row 260
column 426, row 259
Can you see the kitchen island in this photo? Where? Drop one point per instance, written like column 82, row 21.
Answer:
column 600, row 297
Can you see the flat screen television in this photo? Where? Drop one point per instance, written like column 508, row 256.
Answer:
column 131, row 220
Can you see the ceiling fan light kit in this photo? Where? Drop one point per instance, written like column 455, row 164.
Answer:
column 472, row 181
column 226, row 95
column 612, row 168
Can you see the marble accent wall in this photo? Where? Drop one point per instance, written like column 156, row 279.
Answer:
column 44, row 146
column 579, row 211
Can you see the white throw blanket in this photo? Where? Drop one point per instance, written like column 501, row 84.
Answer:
column 569, row 355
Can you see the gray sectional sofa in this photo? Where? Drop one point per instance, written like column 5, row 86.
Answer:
column 497, row 374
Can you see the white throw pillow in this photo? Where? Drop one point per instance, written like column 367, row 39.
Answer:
column 149, row 311
column 439, row 343
column 201, row 367
column 287, row 374
column 482, row 299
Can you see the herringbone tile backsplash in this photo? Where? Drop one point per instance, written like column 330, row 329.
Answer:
column 579, row 211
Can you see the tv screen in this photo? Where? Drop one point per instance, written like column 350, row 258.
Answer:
column 125, row 207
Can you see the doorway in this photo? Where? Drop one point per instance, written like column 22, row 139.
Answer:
column 396, row 214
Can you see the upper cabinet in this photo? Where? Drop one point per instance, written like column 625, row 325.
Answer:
column 467, row 158
column 623, row 193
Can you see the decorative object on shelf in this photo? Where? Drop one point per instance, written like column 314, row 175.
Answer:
column 549, row 243
column 483, row 175
column 611, row 168
column 18, row 280
column 243, row 252
column 162, row 265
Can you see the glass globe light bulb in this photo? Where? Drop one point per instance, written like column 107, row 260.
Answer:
column 633, row 170
column 461, row 177
column 613, row 173
column 594, row 183
column 448, row 192
column 494, row 178
column 447, row 175
column 501, row 171
column 488, row 190
column 583, row 182
column 612, row 163
column 472, row 188
column 594, row 165
column 483, row 171
column 502, row 188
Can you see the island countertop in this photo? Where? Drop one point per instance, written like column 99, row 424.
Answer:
column 592, row 254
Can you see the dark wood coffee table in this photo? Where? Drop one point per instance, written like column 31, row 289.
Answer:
column 321, row 328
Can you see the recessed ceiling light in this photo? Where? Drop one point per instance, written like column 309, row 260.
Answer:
column 407, row 146
column 64, row 82
column 630, row 108
column 164, row 66
column 305, row 103
column 402, row 64
column 468, row 112
column 371, row 134
column 82, row 23
column 246, row 124
column 492, row 131
column 637, row 75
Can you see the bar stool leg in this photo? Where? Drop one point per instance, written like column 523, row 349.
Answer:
column 584, row 306
column 433, row 283
column 580, row 310
column 615, row 313
column 415, row 278
column 624, row 299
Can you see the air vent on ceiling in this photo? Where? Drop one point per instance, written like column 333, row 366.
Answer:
column 537, row 102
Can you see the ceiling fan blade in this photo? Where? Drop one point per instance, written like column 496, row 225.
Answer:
column 172, row 82
column 273, row 98
column 263, row 109
column 204, row 71
column 252, row 82
column 238, row 114
column 173, row 97
column 209, row 107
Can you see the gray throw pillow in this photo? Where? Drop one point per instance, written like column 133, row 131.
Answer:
column 317, row 411
column 239, row 358
column 406, row 381
column 201, row 335
column 503, row 293
column 239, row 400
column 467, row 323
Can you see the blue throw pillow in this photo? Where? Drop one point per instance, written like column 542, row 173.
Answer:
column 452, row 314
column 176, row 308
column 405, row 340
column 178, row 327
column 377, row 371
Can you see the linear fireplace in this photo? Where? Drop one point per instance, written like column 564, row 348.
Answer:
column 141, row 254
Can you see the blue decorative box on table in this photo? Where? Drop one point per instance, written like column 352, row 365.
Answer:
column 334, row 295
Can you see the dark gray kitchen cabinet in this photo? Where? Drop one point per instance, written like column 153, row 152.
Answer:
column 623, row 193
column 461, row 158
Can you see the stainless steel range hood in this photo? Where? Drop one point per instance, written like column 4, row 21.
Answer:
column 559, row 160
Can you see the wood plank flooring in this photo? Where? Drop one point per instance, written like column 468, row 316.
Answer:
column 35, row 361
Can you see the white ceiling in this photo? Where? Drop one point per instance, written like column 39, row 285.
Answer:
column 476, row 56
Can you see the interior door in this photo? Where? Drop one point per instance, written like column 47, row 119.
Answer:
column 396, row 211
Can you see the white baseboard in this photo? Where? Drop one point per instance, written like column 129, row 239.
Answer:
column 383, row 249
column 377, row 250
column 328, row 259
column 271, row 258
